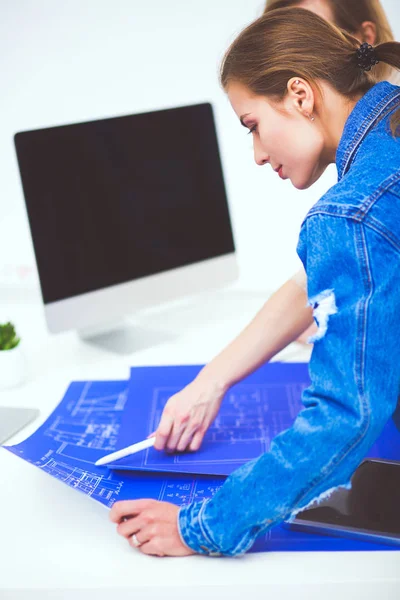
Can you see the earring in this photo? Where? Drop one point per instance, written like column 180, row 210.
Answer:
column 311, row 117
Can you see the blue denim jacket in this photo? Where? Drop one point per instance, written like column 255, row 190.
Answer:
column 350, row 247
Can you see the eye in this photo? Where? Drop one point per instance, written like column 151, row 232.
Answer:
column 252, row 129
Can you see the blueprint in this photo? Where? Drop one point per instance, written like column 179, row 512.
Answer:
column 86, row 424
column 84, row 427
column 252, row 414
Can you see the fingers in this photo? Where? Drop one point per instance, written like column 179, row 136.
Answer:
column 128, row 509
column 130, row 526
column 196, row 424
column 158, row 539
column 153, row 530
column 179, row 427
column 183, row 417
column 186, row 431
column 197, row 440
column 185, row 440
column 170, row 431
column 151, row 548
column 145, row 534
column 164, row 430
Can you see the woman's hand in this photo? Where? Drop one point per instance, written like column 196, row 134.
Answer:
column 187, row 416
column 150, row 526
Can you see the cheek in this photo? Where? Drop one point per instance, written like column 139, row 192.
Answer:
column 307, row 140
column 307, row 148
column 274, row 138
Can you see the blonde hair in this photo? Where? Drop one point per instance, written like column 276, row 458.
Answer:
column 350, row 15
column 294, row 42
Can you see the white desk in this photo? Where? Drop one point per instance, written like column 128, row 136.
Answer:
column 56, row 543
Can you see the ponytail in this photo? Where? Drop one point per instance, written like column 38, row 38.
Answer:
column 350, row 16
column 294, row 42
column 389, row 53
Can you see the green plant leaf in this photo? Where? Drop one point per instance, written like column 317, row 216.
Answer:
column 8, row 337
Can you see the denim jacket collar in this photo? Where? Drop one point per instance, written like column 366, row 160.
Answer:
column 362, row 118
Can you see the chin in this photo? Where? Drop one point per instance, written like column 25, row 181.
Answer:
column 302, row 185
column 306, row 182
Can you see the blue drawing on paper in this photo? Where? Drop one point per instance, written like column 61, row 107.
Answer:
column 87, row 424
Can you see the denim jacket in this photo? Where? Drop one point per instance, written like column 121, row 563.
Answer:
column 350, row 247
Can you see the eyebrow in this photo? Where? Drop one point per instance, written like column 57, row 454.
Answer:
column 241, row 119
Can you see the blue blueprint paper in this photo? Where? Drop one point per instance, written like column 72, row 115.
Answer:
column 252, row 414
column 84, row 427
column 86, row 424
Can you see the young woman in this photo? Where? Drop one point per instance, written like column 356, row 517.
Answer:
column 306, row 92
column 366, row 21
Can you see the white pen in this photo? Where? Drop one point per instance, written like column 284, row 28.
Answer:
column 126, row 451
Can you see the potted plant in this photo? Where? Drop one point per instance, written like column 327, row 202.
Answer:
column 12, row 367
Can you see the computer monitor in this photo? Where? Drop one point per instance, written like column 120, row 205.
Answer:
column 126, row 213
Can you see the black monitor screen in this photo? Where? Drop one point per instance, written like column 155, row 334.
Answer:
column 117, row 199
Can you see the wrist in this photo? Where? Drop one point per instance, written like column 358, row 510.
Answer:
column 214, row 381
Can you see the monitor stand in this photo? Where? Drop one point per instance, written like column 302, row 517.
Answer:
column 124, row 337
column 169, row 321
column 166, row 322
column 13, row 419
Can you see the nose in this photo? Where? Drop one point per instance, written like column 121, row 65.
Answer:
column 260, row 156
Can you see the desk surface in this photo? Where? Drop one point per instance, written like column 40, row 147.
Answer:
column 57, row 541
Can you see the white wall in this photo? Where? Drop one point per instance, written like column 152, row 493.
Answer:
column 63, row 62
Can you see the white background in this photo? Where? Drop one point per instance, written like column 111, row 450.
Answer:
column 74, row 60
column 64, row 62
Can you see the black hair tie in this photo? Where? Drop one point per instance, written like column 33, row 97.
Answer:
column 366, row 57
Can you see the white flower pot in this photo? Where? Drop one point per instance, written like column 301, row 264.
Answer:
column 12, row 367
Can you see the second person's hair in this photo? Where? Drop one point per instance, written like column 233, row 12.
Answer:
column 349, row 15
column 294, row 42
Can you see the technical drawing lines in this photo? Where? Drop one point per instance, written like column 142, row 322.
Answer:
column 249, row 413
column 181, row 493
column 90, row 435
column 88, row 404
column 92, row 421
column 91, row 484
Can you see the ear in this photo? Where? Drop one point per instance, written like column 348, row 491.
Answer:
column 367, row 32
column 300, row 96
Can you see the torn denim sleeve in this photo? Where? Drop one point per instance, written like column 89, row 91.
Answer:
column 354, row 372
